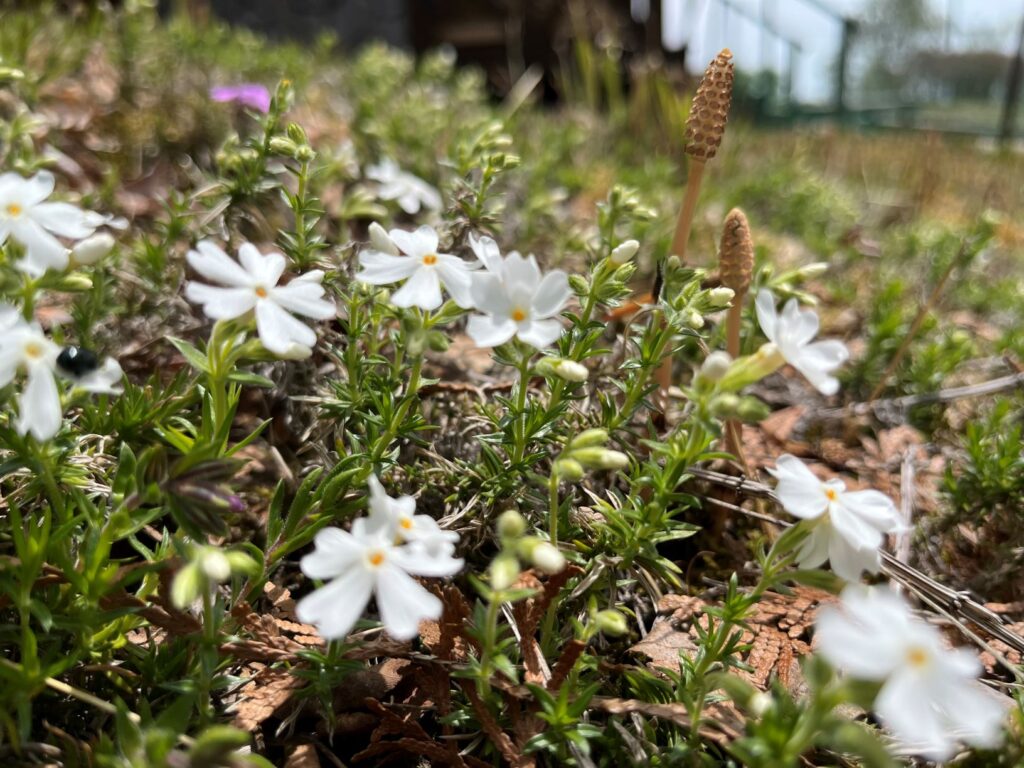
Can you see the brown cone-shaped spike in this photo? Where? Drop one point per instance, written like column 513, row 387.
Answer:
column 736, row 253
column 709, row 111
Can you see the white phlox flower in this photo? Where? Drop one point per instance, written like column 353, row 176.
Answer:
column 378, row 558
column 399, row 517
column 35, row 224
column 930, row 698
column 516, row 299
column 850, row 525
column 251, row 285
column 24, row 347
column 791, row 332
column 415, row 259
column 410, row 192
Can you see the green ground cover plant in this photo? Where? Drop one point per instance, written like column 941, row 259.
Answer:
column 340, row 426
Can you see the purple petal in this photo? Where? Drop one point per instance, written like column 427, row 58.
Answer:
column 251, row 95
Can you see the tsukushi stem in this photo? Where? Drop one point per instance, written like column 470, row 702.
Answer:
column 705, row 127
column 736, row 267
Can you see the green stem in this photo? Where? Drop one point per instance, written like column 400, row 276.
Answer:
column 553, row 508
column 400, row 413
column 519, row 449
column 208, row 655
column 490, row 641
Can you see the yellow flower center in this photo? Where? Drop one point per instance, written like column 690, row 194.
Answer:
column 13, row 209
column 917, row 657
column 405, row 523
column 830, row 494
column 34, row 349
column 518, row 315
column 430, row 259
column 261, row 292
column 376, row 558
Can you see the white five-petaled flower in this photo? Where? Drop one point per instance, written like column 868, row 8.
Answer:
column 377, row 559
column 791, row 332
column 399, row 516
column 422, row 267
column 850, row 524
column 24, row 346
column 930, row 698
column 515, row 299
column 26, row 218
column 411, row 192
column 253, row 285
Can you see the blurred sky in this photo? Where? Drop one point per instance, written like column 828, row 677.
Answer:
column 709, row 26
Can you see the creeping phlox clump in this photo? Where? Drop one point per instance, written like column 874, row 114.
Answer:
column 569, row 480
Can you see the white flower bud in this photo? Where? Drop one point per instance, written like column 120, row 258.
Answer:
column 811, row 271
column 504, row 572
column 695, row 319
column 547, row 558
column 624, row 252
column 601, row 458
column 760, row 703
column 214, row 564
column 510, row 525
column 611, row 622
column 380, row 241
column 92, row 249
column 719, row 298
column 570, row 370
column 715, row 366
column 589, row 438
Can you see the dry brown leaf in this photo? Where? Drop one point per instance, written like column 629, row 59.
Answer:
column 303, row 756
column 778, row 634
column 269, row 691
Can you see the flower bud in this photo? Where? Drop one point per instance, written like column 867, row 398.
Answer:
column 510, row 525
column 625, row 273
column 724, row 406
column 760, row 703
column 213, row 564
column 242, row 563
column 74, row 283
column 601, row 458
column 695, row 319
column 547, row 558
column 624, row 252
column 569, row 370
column 588, row 438
column 568, row 469
column 747, row 370
column 752, row 409
column 305, row 153
column 611, row 622
column 720, row 298
column 811, row 271
column 279, row 145
column 297, row 133
column 92, row 249
column 380, row 241
column 579, row 285
column 504, row 571
column 437, row 341
column 187, row 584
column 715, row 366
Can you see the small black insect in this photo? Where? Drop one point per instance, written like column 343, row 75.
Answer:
column 77, row 361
